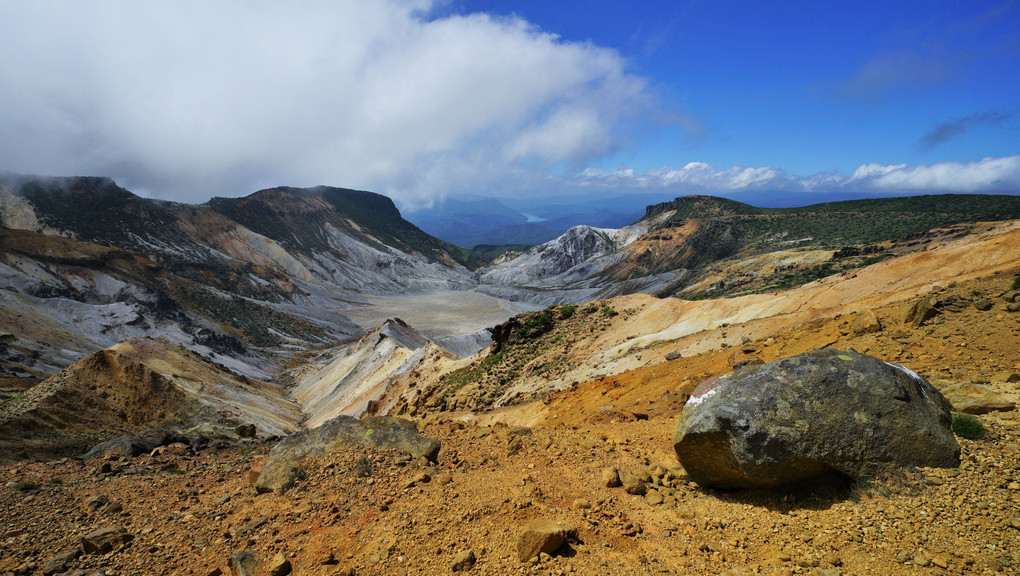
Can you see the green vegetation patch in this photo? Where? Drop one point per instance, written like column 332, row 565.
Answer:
column 969, row 427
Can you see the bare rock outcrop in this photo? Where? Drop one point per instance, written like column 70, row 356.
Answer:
column 340, row 433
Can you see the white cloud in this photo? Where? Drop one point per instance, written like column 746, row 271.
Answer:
column 987, row 175
column 189, row 99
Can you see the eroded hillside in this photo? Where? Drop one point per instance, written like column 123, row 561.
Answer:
column 378, row 512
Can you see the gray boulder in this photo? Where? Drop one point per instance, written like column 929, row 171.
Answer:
column 131, row 446
column 334, row 435
column 806, row 416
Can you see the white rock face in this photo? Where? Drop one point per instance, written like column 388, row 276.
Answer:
column 571, row 268
column 345, row 382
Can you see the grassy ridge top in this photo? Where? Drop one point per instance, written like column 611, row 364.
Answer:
column 836, row 224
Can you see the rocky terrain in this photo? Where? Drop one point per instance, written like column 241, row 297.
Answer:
column 246, row 332
column 368, row 511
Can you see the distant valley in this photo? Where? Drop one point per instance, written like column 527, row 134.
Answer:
column 310, row 303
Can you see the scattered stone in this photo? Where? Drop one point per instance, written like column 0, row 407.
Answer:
column 740, row 358
column 540, row 535
column 242, row 563
column 918, row 312
column 674, row 355
column 580, row 504
column 420, row 478
column 611, row 478
column 903, row 557
column 636, row 482
column 337, row 434
column 279, row 565
column 972, row 398
column 803, row 417
column 653, row 498
column 61, row 562
column 106, row 539
column 940, row 560
column 983, row 304
column 96, row 502
column 463, row 561
column 1005, row 377
column 866, row 322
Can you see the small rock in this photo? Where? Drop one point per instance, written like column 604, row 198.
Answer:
column 922, row 560
column 106, row 539
column 972, row 398
column 983, row 304
column 941, row 561
column 611, row 478
column 96, row 502
column 463, row 561
column 61, row 562
column 242, row 563
column 903, row 557
column 540, row 535
column 918, row 312
column 866, row 322
column 674, row 355
column 636, row 482
column 279, row 565
column 444, row 479
column 653, row 498
column 580, row 504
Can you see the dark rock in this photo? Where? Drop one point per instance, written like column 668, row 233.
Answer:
column 106, row 539
column 242, row 563
column 61, row 562
column 334, row 435
column 983, row 304
column 131, row 446
column 246, row 430
column 674, row 355
column 810, row 415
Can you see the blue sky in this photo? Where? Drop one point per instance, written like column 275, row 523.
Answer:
column 808, row 86
column 421, row 99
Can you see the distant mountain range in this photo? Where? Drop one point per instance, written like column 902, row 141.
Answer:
column 245, row 306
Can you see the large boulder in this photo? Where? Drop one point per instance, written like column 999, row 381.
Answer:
column 340, row 433
column 131, row 446
column 806, row 416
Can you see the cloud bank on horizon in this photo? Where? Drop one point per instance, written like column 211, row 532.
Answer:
column 987, row 175
column 412, row 98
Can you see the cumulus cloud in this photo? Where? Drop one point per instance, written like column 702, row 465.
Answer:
column 190, row 99
column 987, row 175
column 946, row 131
